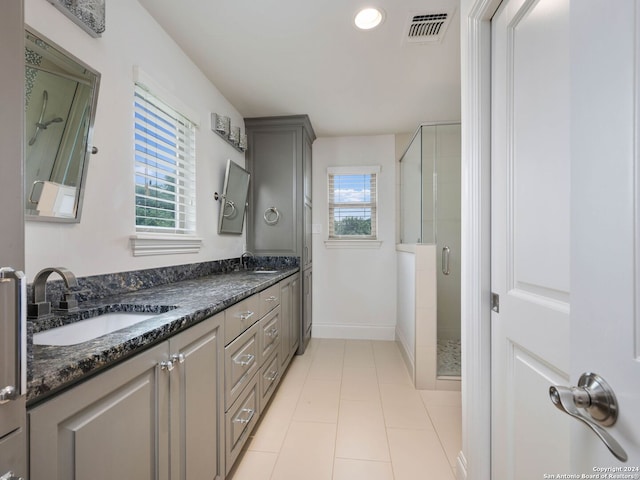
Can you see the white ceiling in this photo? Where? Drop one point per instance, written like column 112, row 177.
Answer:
column 283, row 57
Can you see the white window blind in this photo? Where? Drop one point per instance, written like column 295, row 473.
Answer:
column 165, row 167
column 353, row 203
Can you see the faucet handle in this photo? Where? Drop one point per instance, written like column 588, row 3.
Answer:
column 69, row 301
column 38, row 310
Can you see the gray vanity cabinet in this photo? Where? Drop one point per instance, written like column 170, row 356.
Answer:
column 196, row 382
column 112, row 426
column 155, row 416
column 290, row 325
column 279, row 219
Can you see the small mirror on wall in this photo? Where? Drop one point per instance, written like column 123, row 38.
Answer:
column 234, row 199
column 60, row 103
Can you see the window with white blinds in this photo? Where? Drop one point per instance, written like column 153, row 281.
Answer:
column 353, row 203
column 165, row 167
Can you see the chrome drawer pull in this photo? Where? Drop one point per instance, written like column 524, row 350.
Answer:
column 272, row 332
column 244, row 360
column 247, row 419
column 246, row 315
column 272, row 377
column 272, row 298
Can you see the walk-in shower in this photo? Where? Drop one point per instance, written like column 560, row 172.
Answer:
column 429, row 255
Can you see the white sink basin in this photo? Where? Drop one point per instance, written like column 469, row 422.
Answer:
column 90, row 328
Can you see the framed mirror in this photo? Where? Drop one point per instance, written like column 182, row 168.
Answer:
column 61, row 94
column 234, row 199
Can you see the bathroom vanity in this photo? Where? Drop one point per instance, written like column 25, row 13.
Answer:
column 172, row 397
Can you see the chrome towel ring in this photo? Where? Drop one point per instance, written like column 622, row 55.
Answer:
column 271, row 216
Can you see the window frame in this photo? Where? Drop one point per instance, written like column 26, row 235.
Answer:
column 163, row 241
column 374, row 203
column 165, row 151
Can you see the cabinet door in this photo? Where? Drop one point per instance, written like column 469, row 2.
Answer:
column 196, row 407
column 269, row 332
column 295, row 313
column 307, row 251
column 112, row 426
column 274, row 167
column 307, row 170
column 241, row 363
column 285, row 320
column 306, row 306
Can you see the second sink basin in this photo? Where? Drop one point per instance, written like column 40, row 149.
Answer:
column 90, row 328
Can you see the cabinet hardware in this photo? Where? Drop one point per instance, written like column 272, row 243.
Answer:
column 177, row 357
column 244, row 360
column 7, row 394
column 251, row 412
column 272, row 332
column 246, row 315
column 166, row 366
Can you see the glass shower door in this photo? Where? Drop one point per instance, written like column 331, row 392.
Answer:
column 447, row 223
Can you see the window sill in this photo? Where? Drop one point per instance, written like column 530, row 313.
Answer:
column 352, row 243
column 154, row 244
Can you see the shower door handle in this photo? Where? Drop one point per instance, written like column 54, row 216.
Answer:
column 446, row 251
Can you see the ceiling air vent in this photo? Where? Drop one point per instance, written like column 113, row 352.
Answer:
column 427, row 27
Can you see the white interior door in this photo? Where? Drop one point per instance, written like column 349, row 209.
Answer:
column 564, row 234
column 605, row 326
column 530, row 178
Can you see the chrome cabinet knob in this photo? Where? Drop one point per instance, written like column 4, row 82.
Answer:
column 177, row 358
column 595, row 397
column 10, row 476
column 166, row 366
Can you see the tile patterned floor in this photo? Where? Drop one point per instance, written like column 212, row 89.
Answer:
column 346, row 410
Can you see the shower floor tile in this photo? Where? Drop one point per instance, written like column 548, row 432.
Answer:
column 449, row 358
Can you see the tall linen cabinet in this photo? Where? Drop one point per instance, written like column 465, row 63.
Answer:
column 279, row 215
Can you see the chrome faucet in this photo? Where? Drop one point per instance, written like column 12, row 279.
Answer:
column 40, row 307
column 244, row 259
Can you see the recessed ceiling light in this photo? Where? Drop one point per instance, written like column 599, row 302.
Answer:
column 369, row 18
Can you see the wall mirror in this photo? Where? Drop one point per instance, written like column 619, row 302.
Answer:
column 234, row 199
column 61, row 94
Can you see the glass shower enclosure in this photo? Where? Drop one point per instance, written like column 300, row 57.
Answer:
column 430, row 188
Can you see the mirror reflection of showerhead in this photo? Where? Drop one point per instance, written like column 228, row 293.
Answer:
column 40, row 125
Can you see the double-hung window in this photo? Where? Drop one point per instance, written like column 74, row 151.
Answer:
column 165, row 167
column 353, row 204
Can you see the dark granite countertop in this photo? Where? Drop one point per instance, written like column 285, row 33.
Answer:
column 53, row 368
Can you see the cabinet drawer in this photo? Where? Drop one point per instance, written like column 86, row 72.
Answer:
column 269, row 333
column 241, row 361
column 269, row 379
column 239, row 317
column 269, row 299
column 240, row 420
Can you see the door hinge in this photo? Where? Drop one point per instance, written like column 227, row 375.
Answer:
column 495, row 302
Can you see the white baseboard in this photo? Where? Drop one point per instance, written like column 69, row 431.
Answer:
column 353, row 332
column 407, row 354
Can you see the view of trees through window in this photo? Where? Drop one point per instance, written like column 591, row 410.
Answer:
column 164, row 167
column 352, row 205
column 353, row 226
